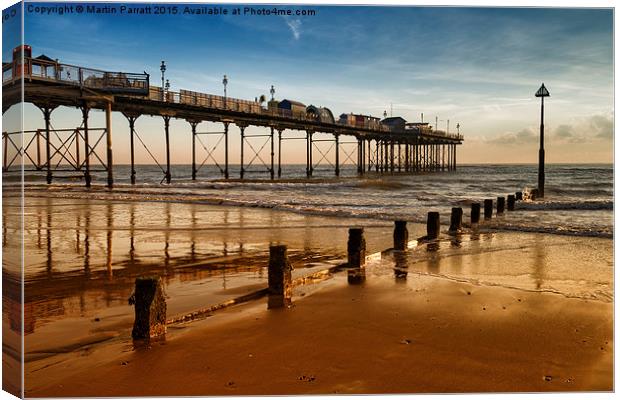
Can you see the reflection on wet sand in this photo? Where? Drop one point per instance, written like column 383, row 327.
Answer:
column 534, row 262
column 84, row 255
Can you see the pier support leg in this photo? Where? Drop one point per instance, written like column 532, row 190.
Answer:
column 279, row 278
column 5, row 160
column 337, row 169
column 391, row 156
column 454, row 157
column 150, row 308
column 47, row 115
column 108, row 130
column 407, row 150
column 279, row 153
column 226, row 174
column 132, row 131
column 401, row 235
column 310, row 167
column 356, row 255
column 377, row 155
column 241, row 171
column 87, row 177
column 194, row 171
column 167, row 175
column 369, row 158
column 272, row 171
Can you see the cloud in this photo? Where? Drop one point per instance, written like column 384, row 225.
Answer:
column 583, row 130
column 602, row 126
column 295, row 25
column 524, row 136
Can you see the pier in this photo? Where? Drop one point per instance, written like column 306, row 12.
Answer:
column 375, row 147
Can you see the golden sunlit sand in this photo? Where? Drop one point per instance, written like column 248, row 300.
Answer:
column 482, row 311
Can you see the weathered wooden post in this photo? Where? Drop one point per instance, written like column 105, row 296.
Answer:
column 501, row 205
column 488, row 208
column 511, row 202
column 150, row 308
column 356, row 255
column 401, row 235
column 432, row 225
column 475, row 213
column 280, row 282
column 456, row 219
column 519, row 196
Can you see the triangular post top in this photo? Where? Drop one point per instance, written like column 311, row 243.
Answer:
column 542, row 92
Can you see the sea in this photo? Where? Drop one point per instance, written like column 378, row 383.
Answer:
column 578, row 197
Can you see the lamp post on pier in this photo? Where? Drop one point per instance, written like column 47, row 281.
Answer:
column 162, row 68
column 542, row 93
column 273, row 92
column 167, row 89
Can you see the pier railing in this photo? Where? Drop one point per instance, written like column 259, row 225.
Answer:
column 51, row 71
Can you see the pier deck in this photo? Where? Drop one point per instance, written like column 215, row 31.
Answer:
column 49, row 85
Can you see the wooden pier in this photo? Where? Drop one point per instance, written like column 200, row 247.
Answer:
column 49, row 85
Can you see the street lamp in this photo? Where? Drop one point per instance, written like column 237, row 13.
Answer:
column 225, row 82
column 458, row 129
column 542, row 93
column 273, row 92
column 447, row 127
column 162, row 68
column 167, row 88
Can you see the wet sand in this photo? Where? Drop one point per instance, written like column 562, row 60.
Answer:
column 428, row 335
column 478, row 312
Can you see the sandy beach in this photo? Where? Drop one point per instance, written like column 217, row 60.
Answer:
column 478, row 312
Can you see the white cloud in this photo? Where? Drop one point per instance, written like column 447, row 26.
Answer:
column 295, row 25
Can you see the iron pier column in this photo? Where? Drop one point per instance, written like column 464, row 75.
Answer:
column 167, row 176
column 272, row 170
column 337, row 171
column 132, row 121
column 87, row 177
column 108, row 126
column 226, row 150
column 194, row 171
column 242, row 128
column 47, row 114
column 279, row 153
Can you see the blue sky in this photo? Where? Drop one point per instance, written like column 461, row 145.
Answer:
column 476, row 66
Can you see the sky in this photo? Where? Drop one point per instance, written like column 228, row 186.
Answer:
column 478, row 67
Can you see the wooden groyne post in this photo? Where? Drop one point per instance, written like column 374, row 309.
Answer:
column 356, row 255
column 511, row 202
column 456, row 219
column 432, row 225
column 501, row 205
column 475, row 213
column 401, row 235
column 519, row 196
column 280, row 281
column 488, row 208
column 150, row 308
